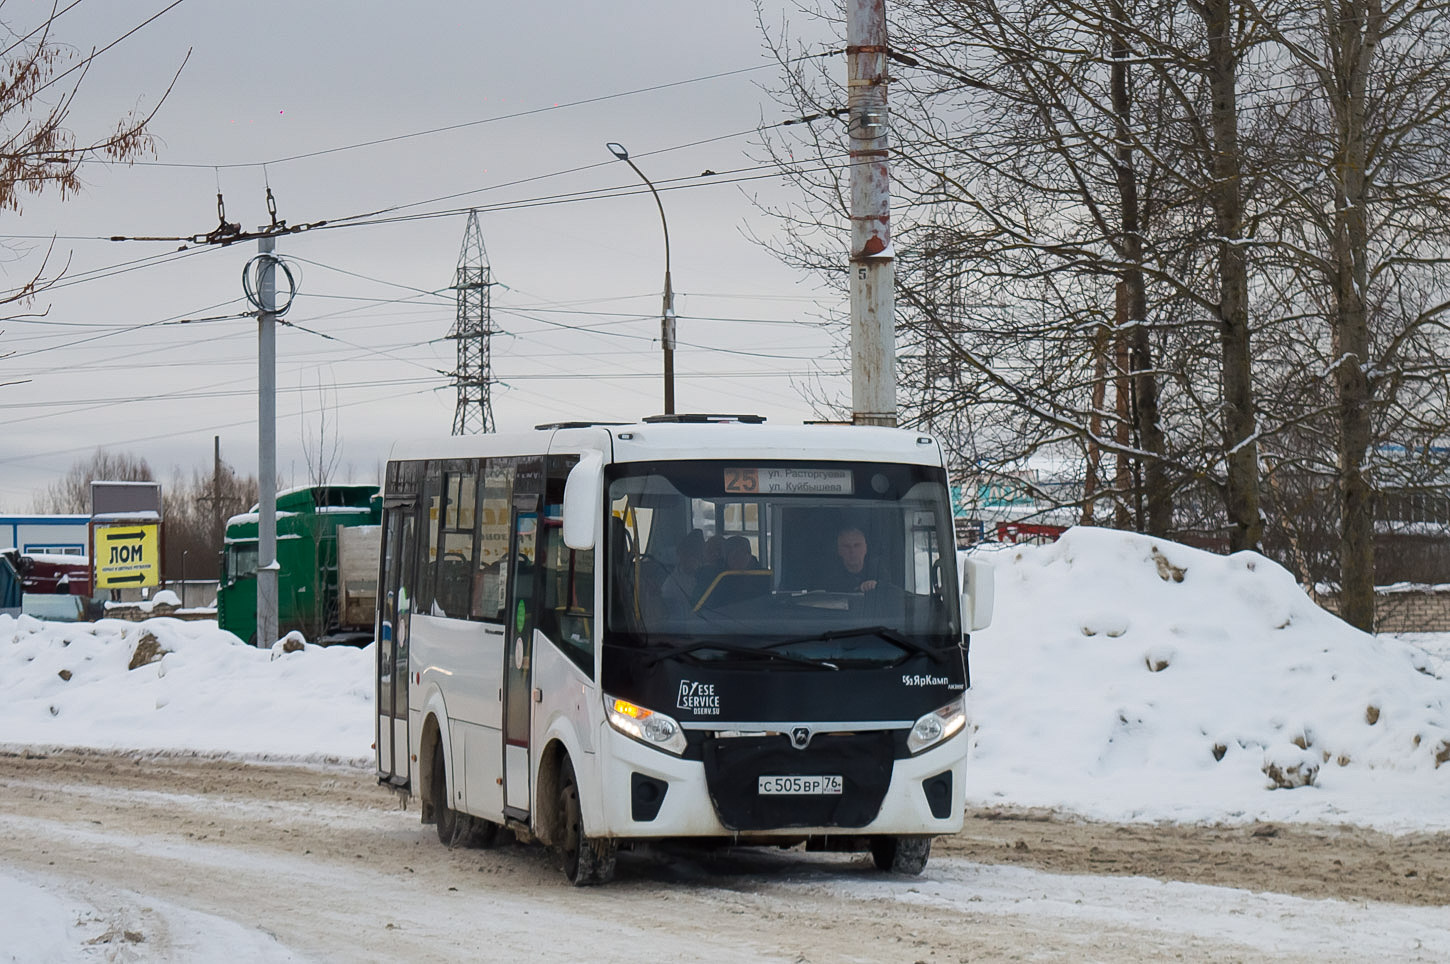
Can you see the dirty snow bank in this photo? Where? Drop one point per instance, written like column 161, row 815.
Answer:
column 72, row 684
column 1126, row 677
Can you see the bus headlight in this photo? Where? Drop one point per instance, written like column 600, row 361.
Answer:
column 646, row 726
column 938, row 725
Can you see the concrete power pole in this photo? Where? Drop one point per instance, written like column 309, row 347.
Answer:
column 266, row 443
column 872, row 270
column 472, row 330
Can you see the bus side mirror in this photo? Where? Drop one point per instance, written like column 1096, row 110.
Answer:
column 583, row 501
column 978, row 592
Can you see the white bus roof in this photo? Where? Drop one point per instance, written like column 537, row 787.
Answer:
column 650, row 440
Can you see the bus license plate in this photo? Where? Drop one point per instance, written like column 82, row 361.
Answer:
column 812, row 785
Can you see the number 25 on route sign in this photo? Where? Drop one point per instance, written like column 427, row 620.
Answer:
column 127, row 555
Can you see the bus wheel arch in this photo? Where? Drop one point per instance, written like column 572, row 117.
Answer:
column 449, row 821
column 560, row 821
column 430, row 744
column 548, row 819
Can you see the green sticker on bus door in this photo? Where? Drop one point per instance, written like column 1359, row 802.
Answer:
column 520, row 616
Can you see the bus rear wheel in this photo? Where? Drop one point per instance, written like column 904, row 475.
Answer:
column 587, row 860
column 901, row 855
column 476, row 832
column 445, row 816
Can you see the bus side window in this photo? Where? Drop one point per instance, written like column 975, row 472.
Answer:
column 567, row 616
column 567, row 613
column 490, row 577
column 455, row 564
column 428, row 539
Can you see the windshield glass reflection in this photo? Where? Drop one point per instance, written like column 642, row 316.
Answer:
column 821, row 561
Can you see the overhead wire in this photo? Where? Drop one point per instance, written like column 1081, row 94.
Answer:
column 486, row 120
column 182, row 433
column 121, row 331
column 138, row 264
column 92, row 404
column 343, row 341
column 151, row 261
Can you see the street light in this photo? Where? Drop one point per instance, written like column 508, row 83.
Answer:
column 667, row 313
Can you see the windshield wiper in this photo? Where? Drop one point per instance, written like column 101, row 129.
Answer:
column 760, row 652
column 883, row 632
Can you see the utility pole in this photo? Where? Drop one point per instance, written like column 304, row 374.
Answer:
column 214, row 499
column 266, row 442
column 872, row 269
column 216, row 491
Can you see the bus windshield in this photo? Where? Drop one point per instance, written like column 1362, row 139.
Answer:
column 837, row 561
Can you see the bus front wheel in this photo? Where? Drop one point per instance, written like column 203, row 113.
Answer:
column 445, row 816
column 587, row 860
column 901, row 855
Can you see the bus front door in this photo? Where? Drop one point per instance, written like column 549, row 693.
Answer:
column 392, row 693
column 518, row 655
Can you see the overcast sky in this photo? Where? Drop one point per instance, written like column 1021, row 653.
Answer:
column 289, row 95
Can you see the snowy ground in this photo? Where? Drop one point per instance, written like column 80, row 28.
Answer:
column 1117, row 668
column 197, row 859
column 1124, row 678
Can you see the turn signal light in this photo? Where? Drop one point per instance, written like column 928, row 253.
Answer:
column 645, row 725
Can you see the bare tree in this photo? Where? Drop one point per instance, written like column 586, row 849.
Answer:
column 190, row 505
column 1366, row 228
column 1195, row 257
column 322, row 445
column 72, row 492
column 1045, row 242
column 39, row 151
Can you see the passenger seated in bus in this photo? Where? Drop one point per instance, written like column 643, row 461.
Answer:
column 853, row 569
column 714, row 555
column 723, row 554
column 738, row 556
column 712, row 565
column 741, row 577
column 677, row 594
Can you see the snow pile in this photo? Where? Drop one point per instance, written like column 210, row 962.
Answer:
column 1123, row 678
column 165, row 684
column 1131, row 677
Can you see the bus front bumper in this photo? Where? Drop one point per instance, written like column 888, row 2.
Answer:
column 649, row 793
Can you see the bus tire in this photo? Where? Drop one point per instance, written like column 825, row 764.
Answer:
column 476, row 832
column 587, row 860
column 901, row 855
column 445, row 816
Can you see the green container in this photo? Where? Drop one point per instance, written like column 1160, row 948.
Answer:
column 307, row 581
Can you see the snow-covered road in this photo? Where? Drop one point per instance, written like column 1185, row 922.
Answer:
column 143, row 858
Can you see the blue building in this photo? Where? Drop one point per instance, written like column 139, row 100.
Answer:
column 45, row 534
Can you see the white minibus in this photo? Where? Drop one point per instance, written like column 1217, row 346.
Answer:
column 690, row 627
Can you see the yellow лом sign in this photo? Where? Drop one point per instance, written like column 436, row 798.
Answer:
column 127, row 555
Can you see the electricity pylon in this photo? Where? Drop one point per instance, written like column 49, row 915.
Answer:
column 472, row 329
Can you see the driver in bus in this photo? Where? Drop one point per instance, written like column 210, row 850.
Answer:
column 853, row 570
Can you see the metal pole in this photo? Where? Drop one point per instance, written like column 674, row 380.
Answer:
column 872, row 268
column 266, row 446
column 217, row 531
column 667, row 311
